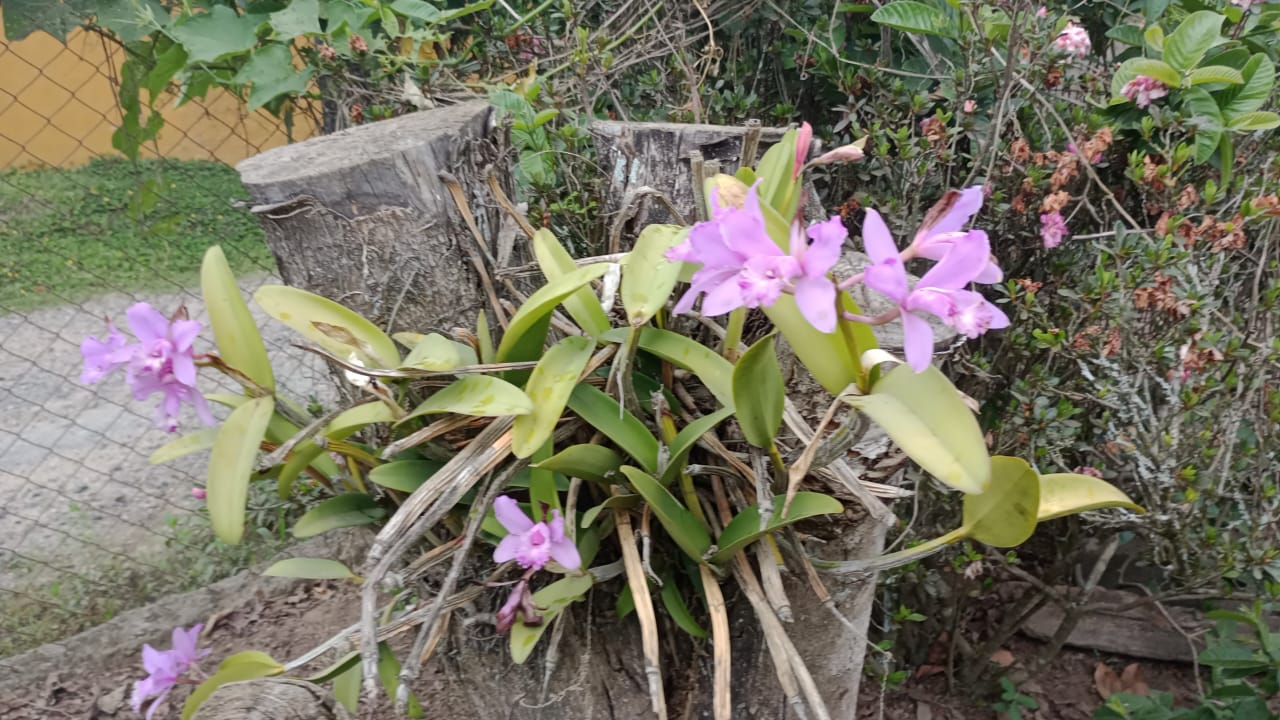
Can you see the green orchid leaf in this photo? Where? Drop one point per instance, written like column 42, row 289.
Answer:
column 551, row 601
column 331, row 326
column 1005, row 514
column 438, row 353
column 648, row 277
column 353, row 420
column 604, row 414
column 231, row 465
column 527, row 330
column 311, row 569
column 555, row 262
column 247, row 665
column 924, row 415
column 1070, row 493
column 346, row 510
column 744, row 529
column 202, row 439
column 759, row 393
column 404, row 475
column 549, row 388
column 589, row 462
column 681, row 524
column 477, row 395
column 685, row 441
column 710, row 367
column 234, row 330
column 389, row 675
column 678, row 610
column 623, row 502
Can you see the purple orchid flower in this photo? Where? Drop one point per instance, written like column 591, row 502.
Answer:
column 161, row 361
column 941, row 229
column 519, row 605
column 940, row 292
column 166, row 667
column 815, row 292
column 533, row 544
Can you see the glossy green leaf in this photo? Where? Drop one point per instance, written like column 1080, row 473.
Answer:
column 604, row 414
column 582, row 305
column 527, row 329
column 346, row 510
column 625, row 502
column 681, row 524
column 311, row 569
column 924, row 415
column 484, row 339
column 234, row 330
column 1134, row 67
column 544, row 494
column 1154, row 38
column 777, row 181
column 827, row 356
column 1127, row 34
column 329, row 325
column 551, row 600
column 346, row 686
column 336, row 668
column 1005, row 514
column 1069, row 493
column 676, row 608
column 1252, row 121
column 914, row 17
column 389, row 674
column 247, row 665
column 1207, row 121
column 1259, row 77
column 685, row 440
column 404, row 475
column 759, row 393
column 648, row 277
column 438, row 353
column 478, row 395
column 1186, row 46
column 589, row 462
column 549, row 387
column 744, row 529
column 201, row 439
column 231, row 464
column 710, row 367
column 1214, row 74
column 305, row 454
column 352, row 420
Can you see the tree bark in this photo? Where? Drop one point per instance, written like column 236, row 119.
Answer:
column 270, row 699
column 365, row 216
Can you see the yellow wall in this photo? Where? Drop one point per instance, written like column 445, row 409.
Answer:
column 58, row 108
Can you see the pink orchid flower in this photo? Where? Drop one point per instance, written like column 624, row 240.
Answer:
column 804, row 138
column 941, row 229
column 532, row 544
column 166, row 667
column 940, row 292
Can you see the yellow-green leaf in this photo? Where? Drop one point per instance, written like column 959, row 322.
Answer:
column 201, row 439
column 685, row 440
column 404, row 475
column 346, row 686
column 648, row 277
column 438, row 353
column 333, row 327
column 589, row 462
column 1005, row 514
column 306, row 453
column 758, row 393
column 527, row 329
column 679, row 612
column 551, row 601
column 346, row 510
column 582, row 304
column 549, row 388
column 712, row 369
column 389, row 674
column 604, row 414
column 478, row 395
column 681, row 524
column 354, row 419
column 744, row 529
column 825, row 355
column 924, row 415
column 247, row 665
column 231, row 464
column 310, row 568
column 1214, row 74
column 234, row 331
column 1069, row 493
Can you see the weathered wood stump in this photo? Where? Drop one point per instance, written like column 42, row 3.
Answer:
column 271, row 699
column 366, row 216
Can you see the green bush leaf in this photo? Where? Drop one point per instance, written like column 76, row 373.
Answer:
column 679, row 612
column 1154, row 38
column 744, row 529
column 478, row 395
column 231, row 464
column 248, row 665
column 218, row 32
column 353, row 420
column 1214, row 74
column 712, row 369
column 924, row 415
column 1068, row 493
column 1186, row 46
column 271, row 74
column 1208, row 121
column 648, row 277
column 404, row 475
column 329, row 325
column 685, row 440
column 551, row 601
column 299, row 17
column 528, row 327
column 1259, row 77
column 582, row 304
column 1134, row 67
column 1251, row 121
column 1005, row 514
column 549, row 387
column 589, row 462
column 201, row 439
column 310, row 569
column 758, row 393
column 681, row 524
column 914, row 17
column 1127, row 34
column 234, row 330
column 346, row 510
column 604, row 414
column 438, row 353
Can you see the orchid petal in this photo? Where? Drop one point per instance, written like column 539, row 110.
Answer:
column 565, row 553
column 828, row 239
column 147, row 323
column 816, row 298
column 965, row 260
column 724, row 297
column 888, row 278
column 917, row 341
column 877, row 239
column 508, row 548
column 183, row 333
column 967, row 204
column 511, row 516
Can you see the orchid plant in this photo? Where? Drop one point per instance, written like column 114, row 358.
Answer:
column 619, row 413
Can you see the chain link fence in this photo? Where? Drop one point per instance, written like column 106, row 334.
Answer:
column 88, row 526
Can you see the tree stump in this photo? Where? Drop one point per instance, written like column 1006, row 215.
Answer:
column 271, row 699
column 366, row 216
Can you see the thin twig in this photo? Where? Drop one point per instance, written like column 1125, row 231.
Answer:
column 644, row 609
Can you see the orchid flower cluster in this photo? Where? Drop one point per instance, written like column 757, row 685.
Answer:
column 166, row 668
column 161, row 361
column 532, row 545
column 743, row 267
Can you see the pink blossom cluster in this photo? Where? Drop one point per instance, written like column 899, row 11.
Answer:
column 1053, row 229
column 1144, row 90
column 1073, row 40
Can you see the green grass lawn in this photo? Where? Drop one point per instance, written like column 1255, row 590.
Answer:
column 67, row 235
